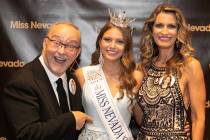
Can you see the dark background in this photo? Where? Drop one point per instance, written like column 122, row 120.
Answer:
column 20, row 43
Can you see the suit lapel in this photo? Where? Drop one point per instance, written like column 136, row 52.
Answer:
column 45, row 86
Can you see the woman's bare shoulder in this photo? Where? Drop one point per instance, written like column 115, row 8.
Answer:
column 192, row 68
column 192, row 65
column 138, row 73
column 79, row 75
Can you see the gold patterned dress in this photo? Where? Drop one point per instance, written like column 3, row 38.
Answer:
column 160, row 99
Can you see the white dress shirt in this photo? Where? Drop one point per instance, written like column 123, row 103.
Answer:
column 53, row 78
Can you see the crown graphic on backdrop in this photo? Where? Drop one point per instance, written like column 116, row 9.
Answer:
column 118, row 18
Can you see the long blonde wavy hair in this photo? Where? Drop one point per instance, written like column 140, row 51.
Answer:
column 182, row 47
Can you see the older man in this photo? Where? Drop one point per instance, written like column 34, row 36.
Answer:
column 43, row 99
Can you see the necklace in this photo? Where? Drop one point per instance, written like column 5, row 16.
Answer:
column 162, row 60
column 113, row 78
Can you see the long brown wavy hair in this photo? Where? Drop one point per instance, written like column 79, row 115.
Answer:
column 127, row 81
column 182, row 47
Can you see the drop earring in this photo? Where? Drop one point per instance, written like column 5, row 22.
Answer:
column 101, row 59
column 178, row 45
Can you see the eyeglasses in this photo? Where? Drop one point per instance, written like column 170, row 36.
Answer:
column 69, row 47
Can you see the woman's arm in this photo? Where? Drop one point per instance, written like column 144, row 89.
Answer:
column 138, row 114
column 197, row 95
column 80, row 77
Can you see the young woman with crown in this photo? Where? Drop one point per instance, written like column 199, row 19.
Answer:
column 109, row 82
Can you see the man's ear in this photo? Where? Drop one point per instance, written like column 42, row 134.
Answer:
column 44, row 42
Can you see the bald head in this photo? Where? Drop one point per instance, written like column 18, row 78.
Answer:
column 61, row 47
column 61, row 26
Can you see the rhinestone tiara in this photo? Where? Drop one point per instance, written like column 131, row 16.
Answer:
column 118, row 18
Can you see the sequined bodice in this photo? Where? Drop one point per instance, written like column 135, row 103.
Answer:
column 162, row 105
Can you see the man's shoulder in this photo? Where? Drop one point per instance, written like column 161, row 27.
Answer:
column 25, row 74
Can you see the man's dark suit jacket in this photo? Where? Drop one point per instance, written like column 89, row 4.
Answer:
column 32, row 108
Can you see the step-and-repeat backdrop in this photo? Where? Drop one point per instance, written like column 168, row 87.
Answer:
column 23, row 24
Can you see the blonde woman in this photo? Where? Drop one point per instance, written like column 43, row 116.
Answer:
column 167, row 53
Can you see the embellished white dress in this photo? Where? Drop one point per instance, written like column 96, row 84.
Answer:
column 96, row 129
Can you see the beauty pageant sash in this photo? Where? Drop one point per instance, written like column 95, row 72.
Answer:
column 106, row 107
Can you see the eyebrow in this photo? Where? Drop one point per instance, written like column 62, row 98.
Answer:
column 164, row 24
column 74, row 41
